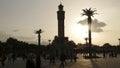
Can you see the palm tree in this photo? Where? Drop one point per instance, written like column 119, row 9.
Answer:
column 39, row 36
column 89, row 13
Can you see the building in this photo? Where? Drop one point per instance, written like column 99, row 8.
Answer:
column 61, row 40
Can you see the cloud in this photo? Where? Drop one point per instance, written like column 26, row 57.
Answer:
column 96, row 25
column 16, row 30
column 4, row 36
column 25, row 38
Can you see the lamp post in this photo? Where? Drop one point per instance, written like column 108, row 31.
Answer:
column 86, row 40
column 119, row 41
column 49, row 41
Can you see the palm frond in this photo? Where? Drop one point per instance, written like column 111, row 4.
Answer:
column 88, row 12
column 39, row 31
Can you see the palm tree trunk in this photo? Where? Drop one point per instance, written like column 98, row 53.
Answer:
column 89, row 33
column 38, row 39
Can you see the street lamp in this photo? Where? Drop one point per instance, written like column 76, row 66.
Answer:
column 49, row 41
column 86, row 40
column 119, row 41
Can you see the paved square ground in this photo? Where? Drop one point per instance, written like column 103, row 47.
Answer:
column 81, row 63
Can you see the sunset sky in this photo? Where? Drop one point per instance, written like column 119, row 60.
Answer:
column 21, row 18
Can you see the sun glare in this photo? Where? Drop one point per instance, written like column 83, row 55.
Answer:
column 79, row 31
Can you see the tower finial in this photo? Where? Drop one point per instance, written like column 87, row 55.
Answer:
column 60, row 1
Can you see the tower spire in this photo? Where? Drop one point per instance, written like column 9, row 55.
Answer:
column 60, row 1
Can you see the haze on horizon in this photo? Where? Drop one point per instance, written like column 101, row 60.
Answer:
column 20, row 19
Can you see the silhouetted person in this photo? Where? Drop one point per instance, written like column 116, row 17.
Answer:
column 30, row 63
column 116, row 54
column 10, row 57
column 71, row 57
column 104, row 55
column 75, row 57
column 23, row 57
column 13, row 57
column 43, row 64
column 44, row 56
column 38, row 61
column 62, row 59
column 50, row 58
column 111, row 54
column 3, row 58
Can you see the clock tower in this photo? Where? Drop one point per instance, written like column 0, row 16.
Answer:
column 60, row 18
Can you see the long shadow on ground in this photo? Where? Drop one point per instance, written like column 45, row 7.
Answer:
column 94, row 63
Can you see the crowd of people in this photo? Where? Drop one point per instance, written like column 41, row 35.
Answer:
column 110, row 54
column 38, row 60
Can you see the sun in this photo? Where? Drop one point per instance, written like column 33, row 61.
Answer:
column 79, row 31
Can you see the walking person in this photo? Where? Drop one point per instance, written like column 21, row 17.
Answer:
column 3, row 58
column 104, row 55
column 24, row 57
column 62, row 59
column 30, row 63
column 43, row 62
column 9, row 57
column 13, row 57
column 75, row 57
column 38, row 61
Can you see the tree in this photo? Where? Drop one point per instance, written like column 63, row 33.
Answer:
column 89, row 13
column 39, row 36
